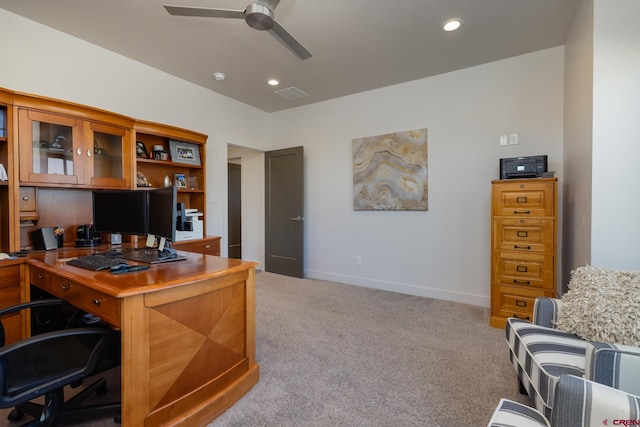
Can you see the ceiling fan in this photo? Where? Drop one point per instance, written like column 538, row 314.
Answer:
column 258, row 15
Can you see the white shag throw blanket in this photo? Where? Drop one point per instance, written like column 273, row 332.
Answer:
column 602, row 305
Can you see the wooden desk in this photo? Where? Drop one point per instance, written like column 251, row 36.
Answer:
column 188, row 330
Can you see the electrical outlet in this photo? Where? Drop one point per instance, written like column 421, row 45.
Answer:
column 503, row 140
column 513, row 138
column 358, row 260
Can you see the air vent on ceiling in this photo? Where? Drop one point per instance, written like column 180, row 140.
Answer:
column 291, row 93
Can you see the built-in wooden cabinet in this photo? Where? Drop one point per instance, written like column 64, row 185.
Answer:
column 61, row 149
column 56, row 152
column 160, row 165
column 523, row 246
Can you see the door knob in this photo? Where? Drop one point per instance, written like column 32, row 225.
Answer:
column 297, row 218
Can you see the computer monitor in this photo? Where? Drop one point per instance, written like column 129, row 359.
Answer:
column 163, row 213
column 120, row 211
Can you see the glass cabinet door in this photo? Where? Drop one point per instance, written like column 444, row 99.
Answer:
column 108, row 157
column 50, row 148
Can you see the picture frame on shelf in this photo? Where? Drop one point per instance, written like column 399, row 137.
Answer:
column 180, row 180
column 141, row 151
column 184, row 152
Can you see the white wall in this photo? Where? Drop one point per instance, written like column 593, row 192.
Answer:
column 445, row 252
column 442, row 253
column 616, row 134
column 578, row 135
column 46, row 62
column 252, row 199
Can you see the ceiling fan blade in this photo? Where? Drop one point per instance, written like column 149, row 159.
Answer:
column 287, row 39
column 271, row 4
column 205, row 12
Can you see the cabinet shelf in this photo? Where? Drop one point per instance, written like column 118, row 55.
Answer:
column 168, row 163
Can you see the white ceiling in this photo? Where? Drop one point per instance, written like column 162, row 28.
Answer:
column 357, row 45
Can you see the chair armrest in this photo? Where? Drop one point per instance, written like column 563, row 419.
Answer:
column 546, row 311
column 614, row 365
column 579, row 402
column 514, row 414
column 18, row 307
column 31, row 304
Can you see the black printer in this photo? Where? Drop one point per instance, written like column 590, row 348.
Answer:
column 523, row 167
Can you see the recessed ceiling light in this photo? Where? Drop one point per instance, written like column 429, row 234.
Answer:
column 452, row 24
column 273, row 82
column 219, row 76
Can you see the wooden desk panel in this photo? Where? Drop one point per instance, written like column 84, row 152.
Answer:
column 188, row 331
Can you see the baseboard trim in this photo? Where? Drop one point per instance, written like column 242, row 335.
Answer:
column 404, row 288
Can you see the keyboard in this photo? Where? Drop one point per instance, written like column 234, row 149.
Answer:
column 96, row 262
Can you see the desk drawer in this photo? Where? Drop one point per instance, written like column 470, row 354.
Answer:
column 104, row 306
column 205, row 246
column 42, row 279
column 10, row 276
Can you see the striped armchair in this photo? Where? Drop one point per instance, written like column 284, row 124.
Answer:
column 540, row 354
column 577, row 403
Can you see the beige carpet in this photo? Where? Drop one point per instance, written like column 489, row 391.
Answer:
column 339, row 355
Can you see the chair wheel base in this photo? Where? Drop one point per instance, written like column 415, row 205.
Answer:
column 15, row 415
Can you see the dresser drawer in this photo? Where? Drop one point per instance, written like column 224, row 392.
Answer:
column 524, row 234
column 524, row 269
column 510, row 301
column 104, row 306
column 531, row 198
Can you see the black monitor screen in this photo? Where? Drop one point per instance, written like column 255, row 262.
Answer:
column 163, row 212
column 120, row 211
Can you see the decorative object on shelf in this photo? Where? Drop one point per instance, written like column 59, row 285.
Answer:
column 59, row 233
column 2, row 120
column 192, row 183
column 159, row 155
column 167, row 181
column 141, row 180
column 184, row 152
column 180, row 180
column 99, row 151
column 3, row 173
column 141, row 151
column 390, row 172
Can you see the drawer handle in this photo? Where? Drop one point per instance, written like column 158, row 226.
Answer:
column 207, row 246
column 521, row 282
column 522, row 247
column 65, row 287
column 42, row 276
column 96, row 301
column 521, row 303
column 25, row 198
column 522, row 212
column 522, row 268
column 521, row 199
column 522, row 234
column 521, row 317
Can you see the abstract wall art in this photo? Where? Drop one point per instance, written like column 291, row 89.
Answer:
column 390, row 172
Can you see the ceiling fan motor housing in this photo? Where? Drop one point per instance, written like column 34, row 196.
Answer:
column 258, row 17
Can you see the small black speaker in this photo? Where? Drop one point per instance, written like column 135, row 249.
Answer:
column 44, row 239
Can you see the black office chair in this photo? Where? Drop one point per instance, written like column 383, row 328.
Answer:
column 44, row 364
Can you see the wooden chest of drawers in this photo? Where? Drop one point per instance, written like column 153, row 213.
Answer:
column 523, row 246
